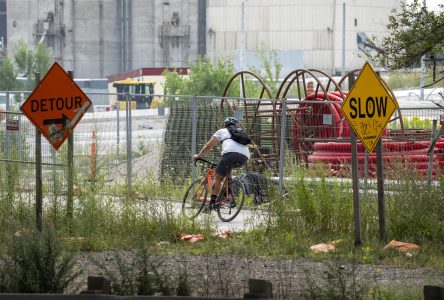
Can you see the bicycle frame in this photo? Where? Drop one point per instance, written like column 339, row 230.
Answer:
column 208, row 178
column 228, row 199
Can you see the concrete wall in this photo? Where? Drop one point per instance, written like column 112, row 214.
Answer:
column 98, row 38
column 311, row 26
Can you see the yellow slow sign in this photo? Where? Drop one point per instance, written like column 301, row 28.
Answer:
column 369, row 107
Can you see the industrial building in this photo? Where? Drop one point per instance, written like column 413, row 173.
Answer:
column 100, row 38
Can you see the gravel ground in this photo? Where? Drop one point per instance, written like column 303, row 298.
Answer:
column 228, row 276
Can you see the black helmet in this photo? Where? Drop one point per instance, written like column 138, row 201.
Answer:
column 231, row 121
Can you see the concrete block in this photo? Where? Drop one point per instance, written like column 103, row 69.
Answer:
column 98, row 285
column 433, row 292
column 259, row 289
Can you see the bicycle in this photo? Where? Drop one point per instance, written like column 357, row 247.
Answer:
column 229, row 202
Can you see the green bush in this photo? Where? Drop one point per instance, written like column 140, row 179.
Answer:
column 415, row 212
column 37, row 262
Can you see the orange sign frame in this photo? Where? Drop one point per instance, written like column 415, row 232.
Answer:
column 56, row 105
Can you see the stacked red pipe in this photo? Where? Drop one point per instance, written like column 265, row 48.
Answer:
column 309, row 123
column 411, row 154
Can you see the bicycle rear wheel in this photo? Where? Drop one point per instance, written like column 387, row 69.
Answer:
column 194, row 199
column 230, row 205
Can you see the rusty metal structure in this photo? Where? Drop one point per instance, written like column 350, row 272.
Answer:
column 310, row 95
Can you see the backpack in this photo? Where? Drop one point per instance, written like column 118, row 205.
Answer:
column 239, row 135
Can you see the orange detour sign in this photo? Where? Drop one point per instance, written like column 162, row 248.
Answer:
column 56, row 105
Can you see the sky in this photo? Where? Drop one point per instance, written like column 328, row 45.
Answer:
column 433, row 4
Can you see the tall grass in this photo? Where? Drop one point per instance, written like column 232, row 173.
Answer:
column 37, row 262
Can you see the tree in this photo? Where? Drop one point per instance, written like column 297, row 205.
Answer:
column 24, row 58
column 205, row 79
column 25, row 64
column 271, row 67
column 8, row 76
column 412, row 33
column 42, row 59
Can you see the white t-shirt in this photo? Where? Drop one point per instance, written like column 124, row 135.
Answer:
column 228, row 145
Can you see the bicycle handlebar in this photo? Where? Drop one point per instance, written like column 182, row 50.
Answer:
column 205, row 161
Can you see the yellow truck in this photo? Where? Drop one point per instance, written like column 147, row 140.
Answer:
column 141, row 93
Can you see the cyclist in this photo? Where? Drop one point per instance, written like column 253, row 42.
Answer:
column 233, row 154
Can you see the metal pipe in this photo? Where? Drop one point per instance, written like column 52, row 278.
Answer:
column 128, row 145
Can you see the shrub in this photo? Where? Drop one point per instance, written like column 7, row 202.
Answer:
column 37, row 262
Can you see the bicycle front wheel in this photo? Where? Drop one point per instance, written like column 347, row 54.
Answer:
column 194, row 199
column 229, row 206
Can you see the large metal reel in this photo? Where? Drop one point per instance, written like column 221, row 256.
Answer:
column 258, row 117
column 313, row 88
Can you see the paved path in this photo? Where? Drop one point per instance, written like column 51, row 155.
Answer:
column 247, row 219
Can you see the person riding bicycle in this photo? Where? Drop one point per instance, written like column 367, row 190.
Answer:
column 233, row 154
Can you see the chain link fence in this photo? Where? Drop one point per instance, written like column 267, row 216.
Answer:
column 136, row 146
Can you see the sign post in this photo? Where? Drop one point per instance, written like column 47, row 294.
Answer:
column 38, row 173
column 55, row 107
column 368, row 108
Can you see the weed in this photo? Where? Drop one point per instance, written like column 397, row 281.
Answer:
column 184, row 284
column 141, row 274
column 37, row 262
column 338, row 282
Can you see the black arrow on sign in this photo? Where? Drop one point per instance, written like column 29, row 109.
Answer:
column 62, row 120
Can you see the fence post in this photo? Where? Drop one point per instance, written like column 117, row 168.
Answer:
column 38, row 171
column 129, row 156
column 7, row 133
column 431, row 154
column 70, row 194
column 117, row 108
column 282, row 148
column 193, row 136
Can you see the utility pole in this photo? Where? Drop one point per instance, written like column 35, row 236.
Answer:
column 343, row 40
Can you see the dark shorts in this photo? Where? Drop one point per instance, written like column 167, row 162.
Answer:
column 228, row 161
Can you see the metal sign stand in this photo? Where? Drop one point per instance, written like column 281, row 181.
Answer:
column 355, row 180
column 38, row 172
column 380, row 184
column 70, row 193
column 355, row 183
